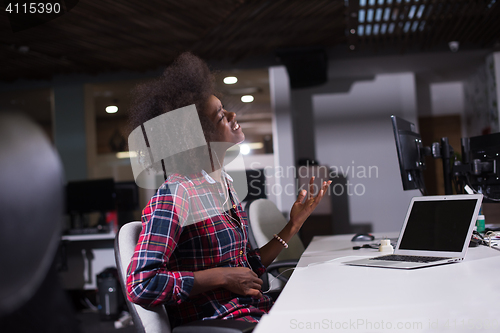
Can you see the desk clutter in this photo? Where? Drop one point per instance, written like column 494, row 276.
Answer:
column 428, row 298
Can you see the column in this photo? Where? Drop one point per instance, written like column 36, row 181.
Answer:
column 283, row 138
column 69, row 129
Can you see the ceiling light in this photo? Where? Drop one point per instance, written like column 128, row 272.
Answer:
column 230, row 80
column 23, row 49
column 126, row 154
column 247, row 98
column 454, row 45
column 256, row 145
column 112, row 109
column 245, row 149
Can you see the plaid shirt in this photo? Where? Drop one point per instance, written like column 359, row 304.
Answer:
column 184, row 229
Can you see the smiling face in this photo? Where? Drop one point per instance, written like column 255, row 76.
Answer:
column 226, row 127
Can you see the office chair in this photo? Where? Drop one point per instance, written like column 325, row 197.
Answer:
column 155, row 319
column 31, row 206
column 265, row 220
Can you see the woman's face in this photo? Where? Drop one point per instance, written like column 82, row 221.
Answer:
column 226, row 127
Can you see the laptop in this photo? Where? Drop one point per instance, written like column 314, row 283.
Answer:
column 437, row 230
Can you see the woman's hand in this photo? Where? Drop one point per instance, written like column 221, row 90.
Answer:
column 303, row 207
column 301, row 210
column 242, row 281
column 239, row 280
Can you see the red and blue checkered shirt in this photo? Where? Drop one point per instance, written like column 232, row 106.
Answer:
column 185, row 229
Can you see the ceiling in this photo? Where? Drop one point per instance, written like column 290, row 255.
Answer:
column 135, row 35
column 105, row 36
column 254, row 82
column 254, row 117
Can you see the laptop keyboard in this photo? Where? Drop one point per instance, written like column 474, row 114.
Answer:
column 396, row 257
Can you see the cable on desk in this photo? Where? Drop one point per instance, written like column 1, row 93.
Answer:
column 274, row 278
column 494, row 247
column 365, row 246
column 489, row 235
column 312, row 264
column 373, row 245
column 331, row 260
column 477, row 192
column 480, row 239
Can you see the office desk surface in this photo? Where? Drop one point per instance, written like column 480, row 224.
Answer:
column 325, row 295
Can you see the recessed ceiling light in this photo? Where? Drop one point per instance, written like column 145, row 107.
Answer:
column 256, row 145
column 247, row 98
column 112, row 109
column 230, row 80
column 126, row 154
column 245, row 149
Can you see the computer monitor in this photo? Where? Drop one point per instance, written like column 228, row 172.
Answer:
column 127, row 196
column 482, row 153
column 89, row 196
column 411, row 154
column 256, row 182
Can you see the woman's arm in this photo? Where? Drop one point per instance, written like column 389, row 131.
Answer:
column 239, row 280
column 300, row 211
column 149, row 281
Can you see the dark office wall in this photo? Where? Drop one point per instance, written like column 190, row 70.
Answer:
column 69, row 129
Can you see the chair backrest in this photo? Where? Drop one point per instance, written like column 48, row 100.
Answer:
column 150, row 320
column 31, row 206
column 266, row 220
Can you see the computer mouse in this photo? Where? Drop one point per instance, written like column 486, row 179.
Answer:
column 362, row 238
column 474, row 242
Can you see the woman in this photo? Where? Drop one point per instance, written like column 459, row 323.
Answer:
column 193, row 254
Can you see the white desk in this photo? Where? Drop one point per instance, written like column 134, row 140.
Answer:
column 323, row 295
column 86, row 256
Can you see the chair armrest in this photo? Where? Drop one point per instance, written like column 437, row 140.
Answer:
column 216, row 326
column 274, row 267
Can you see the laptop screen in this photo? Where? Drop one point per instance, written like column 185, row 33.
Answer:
column 440, row 225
